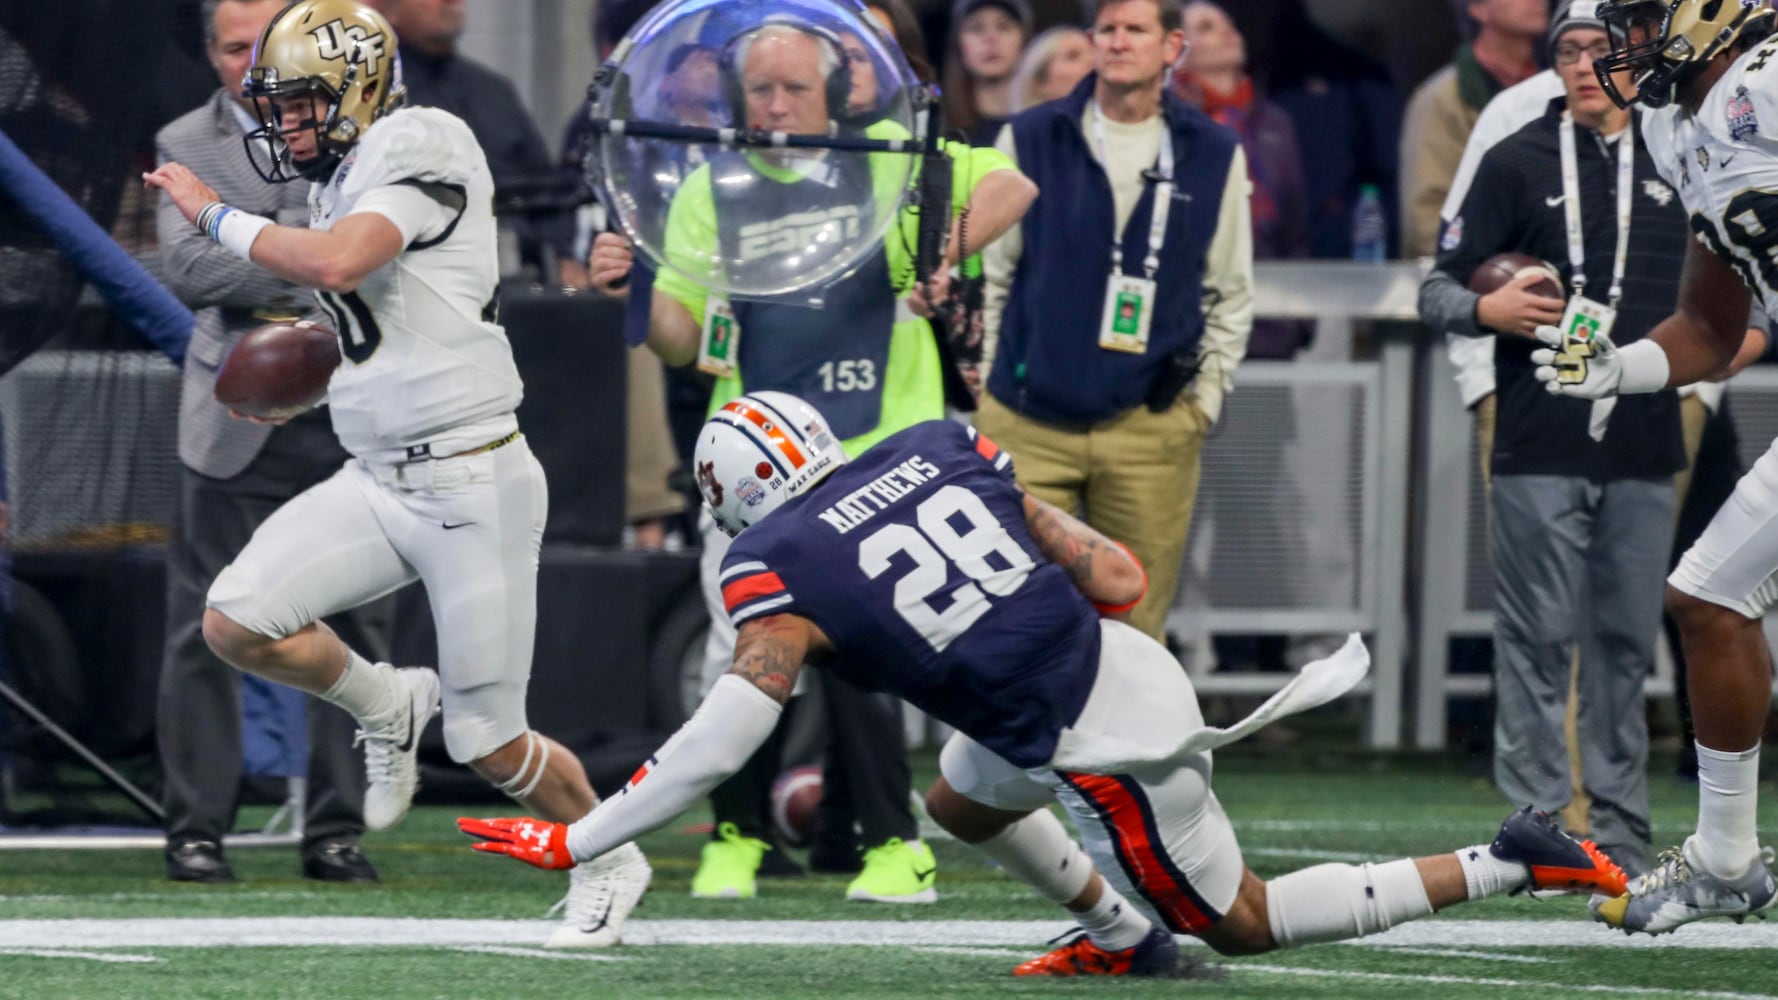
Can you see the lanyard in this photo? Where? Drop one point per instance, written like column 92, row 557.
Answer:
column 1626, row 168
column 1162, row 175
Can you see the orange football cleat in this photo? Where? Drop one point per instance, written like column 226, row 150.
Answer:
column 1154, row 955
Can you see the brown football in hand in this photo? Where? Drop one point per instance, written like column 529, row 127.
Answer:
column 1504, row 267
column 278, row 370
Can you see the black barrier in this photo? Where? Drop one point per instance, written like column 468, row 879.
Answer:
column 570, row 352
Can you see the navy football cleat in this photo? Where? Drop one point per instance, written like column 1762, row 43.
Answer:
column 1558, row 862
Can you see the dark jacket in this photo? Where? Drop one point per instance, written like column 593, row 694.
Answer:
column 1049, row 365
column 1516, row 204
column 490, row 106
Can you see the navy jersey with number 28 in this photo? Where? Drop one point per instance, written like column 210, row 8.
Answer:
column 916, row 562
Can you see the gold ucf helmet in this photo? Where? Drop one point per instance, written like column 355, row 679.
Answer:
column 338, row 52
column 1662, row 42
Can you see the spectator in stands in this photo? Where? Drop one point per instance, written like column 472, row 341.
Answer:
column 1052, row 65
column 898, row 22
column 784, row 347
column 1348, row 122
column 1103, row 417
column 1213, row 78
column 986, row 39
column 437, row 76
column 1582, row 495
column 235, row 475
column 1444, row 108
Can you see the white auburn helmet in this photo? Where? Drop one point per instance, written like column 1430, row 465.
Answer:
column 759, row 451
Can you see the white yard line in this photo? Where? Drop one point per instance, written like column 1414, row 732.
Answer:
column 1400, row 977
column 224, row 932
column 1492, row 956
column 173, row 896
column 1007, row 953
column 570, row 956
column 87, row 956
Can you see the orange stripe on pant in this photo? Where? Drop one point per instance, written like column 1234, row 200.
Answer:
column 1129, row 820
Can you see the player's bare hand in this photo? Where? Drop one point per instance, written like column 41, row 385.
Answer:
column 536, row 842
column 1512, row 309
column 927, row 299
column 189, row 194
column 610, row 264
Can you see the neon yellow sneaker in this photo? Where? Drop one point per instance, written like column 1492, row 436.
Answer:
column 729, row 866
column 897, row 871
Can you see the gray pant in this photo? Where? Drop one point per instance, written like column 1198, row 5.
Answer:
column 199, row 711
column 1578, row 562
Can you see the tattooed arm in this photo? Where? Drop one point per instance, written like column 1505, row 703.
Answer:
column 770, row 652
column 1104, row 571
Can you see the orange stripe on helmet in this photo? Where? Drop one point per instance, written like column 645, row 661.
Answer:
column 771, row 429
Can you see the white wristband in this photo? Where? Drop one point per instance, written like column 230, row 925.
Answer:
column 1644, row 366
column 232, row 228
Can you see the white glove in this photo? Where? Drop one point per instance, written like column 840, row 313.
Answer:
column 1591, row 372
column 1596, row 368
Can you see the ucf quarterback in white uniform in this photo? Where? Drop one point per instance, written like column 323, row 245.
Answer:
column 441, row 487
column 1709, row 73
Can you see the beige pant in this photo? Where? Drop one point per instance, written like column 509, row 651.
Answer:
column 1133, row 477
column 649, row 454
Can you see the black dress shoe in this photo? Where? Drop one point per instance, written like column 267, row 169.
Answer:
column 337, row 861
column 197, row 859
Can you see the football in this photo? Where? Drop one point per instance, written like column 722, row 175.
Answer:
column 1504, row 267
column 795, row 795
column 278, row 370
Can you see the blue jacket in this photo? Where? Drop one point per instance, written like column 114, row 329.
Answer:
column 1049, row 365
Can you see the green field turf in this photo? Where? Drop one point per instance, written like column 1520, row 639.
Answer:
column 106, row 924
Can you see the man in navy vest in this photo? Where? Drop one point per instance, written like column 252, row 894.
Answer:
column 1122, row 303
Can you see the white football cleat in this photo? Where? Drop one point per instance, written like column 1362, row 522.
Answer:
column 390, row 752
column 601, row 894
column 1678, row 891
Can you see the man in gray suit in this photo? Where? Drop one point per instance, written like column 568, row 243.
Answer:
column 236, row 474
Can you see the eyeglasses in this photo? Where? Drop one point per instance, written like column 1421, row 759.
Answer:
column 1568, row 55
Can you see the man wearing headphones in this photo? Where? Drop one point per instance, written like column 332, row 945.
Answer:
column 867, row 359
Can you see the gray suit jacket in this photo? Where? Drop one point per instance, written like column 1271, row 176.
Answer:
column 230, row 296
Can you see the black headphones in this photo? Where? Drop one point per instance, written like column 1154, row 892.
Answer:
column 839, row 79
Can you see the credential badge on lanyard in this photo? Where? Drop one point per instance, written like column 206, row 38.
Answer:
column 1586, row 320
column 720, row 344
column 1129, row 301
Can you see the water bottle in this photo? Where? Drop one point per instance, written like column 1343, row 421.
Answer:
column 1370, row 233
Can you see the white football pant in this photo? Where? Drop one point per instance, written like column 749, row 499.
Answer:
column 469, row 527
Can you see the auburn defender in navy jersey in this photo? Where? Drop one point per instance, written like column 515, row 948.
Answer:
column 916, row 560
column 923, row 570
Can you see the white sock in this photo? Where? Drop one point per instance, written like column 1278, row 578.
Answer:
column 1113, row 923
column 368, row 690
column 1486, row 875
column 1038, row 852
column 1728, row 798
column 1337, row 902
